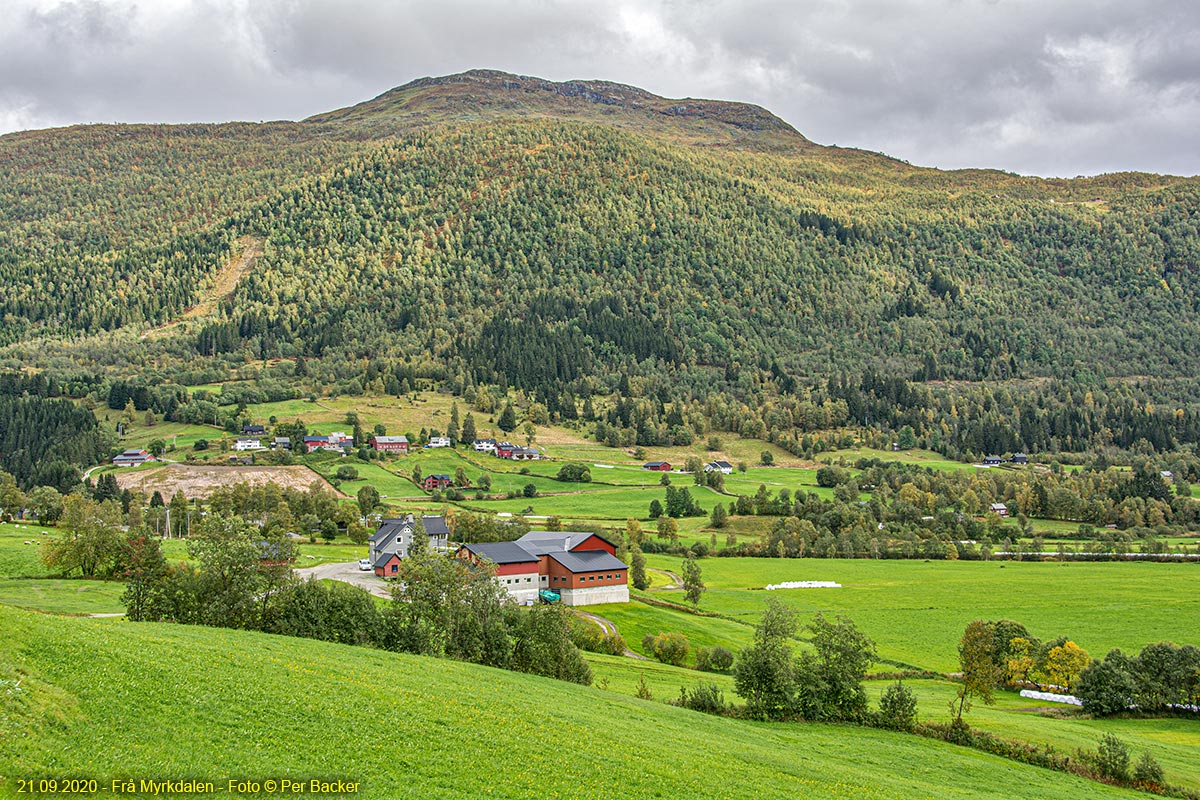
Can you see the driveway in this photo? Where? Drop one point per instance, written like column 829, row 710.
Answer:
column 348, row 573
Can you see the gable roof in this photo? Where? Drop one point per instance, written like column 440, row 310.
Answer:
column 435, row 526
column 390, row 439
column 657, row 464
column 588, row 561
column 720, row 464
column 543, row 542
column 502, row 553
column 383, row 558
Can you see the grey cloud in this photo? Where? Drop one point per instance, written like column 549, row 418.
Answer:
column 1062, row 88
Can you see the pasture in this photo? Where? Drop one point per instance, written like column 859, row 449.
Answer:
column 916, row 611
column 238, row 708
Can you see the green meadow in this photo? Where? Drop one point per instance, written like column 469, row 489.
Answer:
column 101, row 699
column 917, row 610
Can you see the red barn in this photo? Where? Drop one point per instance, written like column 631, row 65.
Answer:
column 658, row 466
column 581, row 567
column 390, row 444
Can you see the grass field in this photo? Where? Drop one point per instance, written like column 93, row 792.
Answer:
column 1174, row 743
column 18, row 559
column 92, row 702
column 57, row 596
column 916, row 610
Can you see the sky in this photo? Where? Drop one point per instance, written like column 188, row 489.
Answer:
column 1042, row 87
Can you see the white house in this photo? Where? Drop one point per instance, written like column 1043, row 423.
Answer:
column 439, row 441
column 484, row 445
column 723, row 467
column 248, row 444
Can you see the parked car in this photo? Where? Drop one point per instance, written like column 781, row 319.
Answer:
column 364, row 564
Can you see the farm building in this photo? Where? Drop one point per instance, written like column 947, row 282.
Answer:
column 393, row 538
column 723, row 467
column 390, row 444
column 433, row 482
column 582, row 567
column 522, row 454
column 132, row 458
column 657, row 466
column 505, row 449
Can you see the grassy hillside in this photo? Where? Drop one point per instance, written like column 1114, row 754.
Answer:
column 110, row 699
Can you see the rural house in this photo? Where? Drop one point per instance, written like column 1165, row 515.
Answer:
column 244, row 444
column 434, row 482
column 1019, row 458
column 723, row 467
column 657, row 466
column 992, row 461
column 132, row 458
column 439, row 441
column 582, row 568
column 390, row 444
column 394, row 537
column 253, row 430
column 999, row 508
column 281, row 443
column 484, row 445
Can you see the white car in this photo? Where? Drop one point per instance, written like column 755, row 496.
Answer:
column 365, row 564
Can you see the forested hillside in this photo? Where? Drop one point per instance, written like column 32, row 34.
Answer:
column 565, row 239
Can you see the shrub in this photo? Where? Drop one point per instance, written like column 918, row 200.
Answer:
column 1148, row 770
column 346, row 473
column 705, row 697
column 1112, row 758
column 713, row 659
column 530, row 490
column 200, row 444
column 898, row 708
column 576, row 473
column 643, row 689
column 588, row 636
column 669, row 648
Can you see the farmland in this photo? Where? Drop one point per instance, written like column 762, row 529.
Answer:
column 245, row 717
column 917, row 610
column 200, row 481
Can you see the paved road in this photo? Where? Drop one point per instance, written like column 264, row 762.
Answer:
column 348, row 573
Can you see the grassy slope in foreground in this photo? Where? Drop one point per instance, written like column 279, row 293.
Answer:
column 108, row 699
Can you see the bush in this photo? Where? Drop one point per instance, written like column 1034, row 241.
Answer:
column 201, row 444
column 1112, row 758
column 588, row 636
column 1148, row 770
column 575, row 473
column 346, row 473
column 530, row 490
column 705, row 697
column 713, row 659
column 669, row 648
column 898, row 708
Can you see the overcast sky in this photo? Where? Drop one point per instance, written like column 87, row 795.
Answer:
column 1047, row 87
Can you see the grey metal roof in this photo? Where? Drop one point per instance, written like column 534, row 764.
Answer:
column 381, row 559
column 588, row 561
column 502, row 552
column 435, row 526
column 391, row 439
column 543, row 542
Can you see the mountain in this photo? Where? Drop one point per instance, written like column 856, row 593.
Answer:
column 560, row 237
column 489, row 96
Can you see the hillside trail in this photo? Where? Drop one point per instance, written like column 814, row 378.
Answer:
column 610, row 629
column 676, row 581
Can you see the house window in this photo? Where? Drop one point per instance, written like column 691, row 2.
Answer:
column 395, row 568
